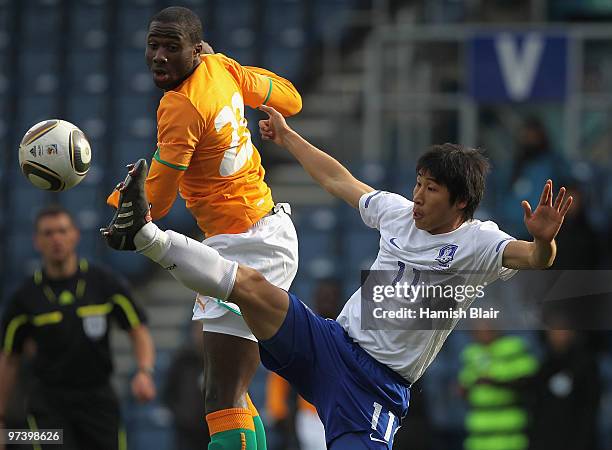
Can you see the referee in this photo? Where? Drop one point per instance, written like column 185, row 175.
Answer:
column 65, row 308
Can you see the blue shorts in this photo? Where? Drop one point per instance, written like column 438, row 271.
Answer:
column 353, row 393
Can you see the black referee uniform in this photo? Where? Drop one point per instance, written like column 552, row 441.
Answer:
column 69, row 321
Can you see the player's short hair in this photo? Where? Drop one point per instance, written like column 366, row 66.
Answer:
column 186, row 18
column 52, row 211
column 461, row 169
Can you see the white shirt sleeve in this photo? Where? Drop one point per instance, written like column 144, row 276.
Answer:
column 490, row 245
column 375, row 205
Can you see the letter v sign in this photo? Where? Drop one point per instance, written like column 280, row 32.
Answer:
column 519, row 68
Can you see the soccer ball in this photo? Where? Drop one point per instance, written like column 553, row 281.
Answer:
column 54, row 155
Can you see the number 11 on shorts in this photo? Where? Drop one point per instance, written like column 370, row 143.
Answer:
column 376, row 418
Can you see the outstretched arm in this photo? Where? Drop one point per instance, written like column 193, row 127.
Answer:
column 543, row 224
column 324, row 169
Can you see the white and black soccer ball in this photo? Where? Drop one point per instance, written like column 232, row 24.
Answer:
column 54, row 155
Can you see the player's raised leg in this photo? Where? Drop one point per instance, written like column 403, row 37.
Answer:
column 192, row 263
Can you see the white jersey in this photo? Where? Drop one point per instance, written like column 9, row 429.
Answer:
column 475, row 246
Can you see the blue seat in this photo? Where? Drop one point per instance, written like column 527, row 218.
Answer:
column 83, row 107
column 24, row 201
column 82, row 65
column 130, row 108
column 21, row 247
column 328, row 13
column 286, row 62
column 235, row 14
column 245, row 56
column 179, row 218
column 41, row 24
column 127, row 263
column 318, row 253
column 34, row 63
column 279, row 15
column 85, row 202
column 88, row 25
column 129, row 64
column 132, row 25
column 359, row 250
column 33, row 109
column 90, row 242
column 129, row 150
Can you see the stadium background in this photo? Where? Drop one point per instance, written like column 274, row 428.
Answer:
column 381, row 80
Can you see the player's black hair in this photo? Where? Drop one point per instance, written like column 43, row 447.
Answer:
column 186, row 18
column 52, row 211
column 462, row 170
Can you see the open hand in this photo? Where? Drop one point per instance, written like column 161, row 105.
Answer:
column 274, row 128
column 544, row 223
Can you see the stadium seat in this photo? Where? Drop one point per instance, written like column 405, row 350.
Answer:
column 245, row 56
column 33, row 109
column 129, row 64
column 128, row 109
column 91, row 77
column 127, row 263
column 24, row 201
column 41, row 24
column 329, row 13
column 317, row 253
column 84, row 107
column 284, row 61
column 278, row 14
column 179, row 218
column 132, row 24
column 85, row 202
column 129, row 150
column 87, row 26
column 33, row 64
column 237, row 14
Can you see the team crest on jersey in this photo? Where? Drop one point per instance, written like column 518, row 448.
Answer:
column 94, row 326
column 446, row 254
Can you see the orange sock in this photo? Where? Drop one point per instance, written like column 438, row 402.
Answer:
column 251, row 406
column 260, row 431
column 231, row 429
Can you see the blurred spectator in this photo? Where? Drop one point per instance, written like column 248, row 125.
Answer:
column 497, row 418
column 565, row 394
column 578, row 238
column 534, row 163
column 300, row 417
column 183, row 393
column 65, row 309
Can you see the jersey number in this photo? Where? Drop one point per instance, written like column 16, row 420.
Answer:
column 237, row 155
column 400, row 273
column 376, row 418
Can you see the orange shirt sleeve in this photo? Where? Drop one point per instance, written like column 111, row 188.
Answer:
column 179, row 128
column 262, row 87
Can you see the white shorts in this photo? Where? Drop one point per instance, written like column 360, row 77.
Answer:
column 270, row 247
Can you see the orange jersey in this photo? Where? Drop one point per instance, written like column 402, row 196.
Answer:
column 204, row 147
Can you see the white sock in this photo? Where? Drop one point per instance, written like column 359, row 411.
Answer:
column 152, row 242
column 194, row 264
